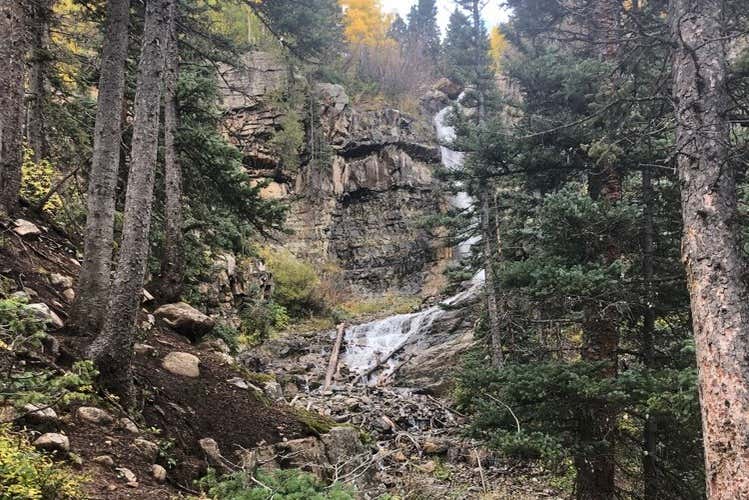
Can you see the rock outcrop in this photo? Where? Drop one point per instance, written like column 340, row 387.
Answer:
column 362, row 208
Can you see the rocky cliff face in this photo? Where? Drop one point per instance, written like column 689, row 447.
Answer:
column 363, row 208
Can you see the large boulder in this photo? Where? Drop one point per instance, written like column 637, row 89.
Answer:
column 44, row 313
column 185, row 320
column 449, row 87
column 53, row 441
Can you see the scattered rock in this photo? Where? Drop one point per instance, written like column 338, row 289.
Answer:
column 94, row 415
column 69, row 295
column 185, row 320
column 213, row 454
column 399, row 456
column 144, row 349
column 26, row 228
column 53, row 441
column 307, row 454
column 43, row 312
column 146, row 449
column 40, row 414
column 147, row 297
column 434, row 447
column 225, row 359
column 60, row 280
column 428, row 467
column 182, row 363
column 128, row 425
column 104, row 460
column 273, row 390
column 7, row 414
column 158, row 473
column 129, row 476
column 216, row 345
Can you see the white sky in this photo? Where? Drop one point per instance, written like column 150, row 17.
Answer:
column 493, row 13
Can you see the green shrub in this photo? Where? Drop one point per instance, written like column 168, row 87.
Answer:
column 279, row 485
column 295, row 281
column 29, row 475
column 21, row 330
column 260, row 320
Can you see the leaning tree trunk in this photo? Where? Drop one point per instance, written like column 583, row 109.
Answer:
column 41, row 12
column 172, row 260
column 12, row 49
column 711, row 245
column 87, row 313
column 112, row 350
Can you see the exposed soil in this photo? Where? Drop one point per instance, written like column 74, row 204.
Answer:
column 175, row 411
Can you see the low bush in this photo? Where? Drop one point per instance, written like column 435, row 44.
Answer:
column 29, row 475
column 279, row 485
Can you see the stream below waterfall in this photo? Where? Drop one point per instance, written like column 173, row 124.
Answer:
column 374, row 350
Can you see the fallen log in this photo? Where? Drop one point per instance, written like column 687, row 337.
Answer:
column 333, row 363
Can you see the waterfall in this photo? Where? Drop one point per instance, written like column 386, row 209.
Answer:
column 379, row 344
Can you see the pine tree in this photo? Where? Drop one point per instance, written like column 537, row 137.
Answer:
column 112, row 350
column 87, row 313
column 172, row 261
column 712, row 251
column 423, row 32
column 13, row 43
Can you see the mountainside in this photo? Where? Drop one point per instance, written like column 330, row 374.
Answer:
column 364, row 207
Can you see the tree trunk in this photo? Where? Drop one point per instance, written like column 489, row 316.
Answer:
column 650, row 471
column 41, row 12
column 711, row 244
column 87, row 312
column 172, row 260
column 12, row 50
column 112, row 350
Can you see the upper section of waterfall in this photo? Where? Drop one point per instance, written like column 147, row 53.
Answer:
column 376, row 350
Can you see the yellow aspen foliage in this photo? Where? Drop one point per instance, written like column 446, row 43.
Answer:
column 74, row 42
column 497, row 46
column 365, row 23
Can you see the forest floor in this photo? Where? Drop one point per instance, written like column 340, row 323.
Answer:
column 415, row 443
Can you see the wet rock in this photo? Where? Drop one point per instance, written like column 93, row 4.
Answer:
column 26, row 228
column 53, row 441
column 94, row 415
column 146, row 449
column 182, row 363
column 185, row 320
column 434, row 100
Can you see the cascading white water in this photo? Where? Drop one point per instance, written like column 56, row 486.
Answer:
column 372, row 348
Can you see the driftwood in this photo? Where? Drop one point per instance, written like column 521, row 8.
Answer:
column 333, row 363
column 369, row 371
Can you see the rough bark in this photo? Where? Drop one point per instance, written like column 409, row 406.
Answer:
column 710, row 243
column 172, row 261
column 41, row 12
column 112, row 350
column 87, row 313
column 12, row 49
